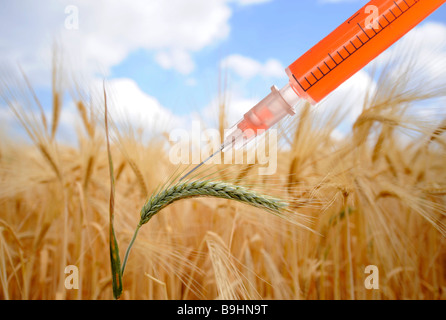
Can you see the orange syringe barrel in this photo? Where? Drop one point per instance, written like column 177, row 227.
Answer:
column 355, row 43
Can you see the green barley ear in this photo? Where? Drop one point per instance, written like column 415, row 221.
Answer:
column 204, row 188
column 207, row 188
column 114, row 249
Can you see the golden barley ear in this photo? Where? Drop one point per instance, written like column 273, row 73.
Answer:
column 114, row 249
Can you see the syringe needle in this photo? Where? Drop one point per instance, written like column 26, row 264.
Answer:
column 263, row 115
column 202, row 162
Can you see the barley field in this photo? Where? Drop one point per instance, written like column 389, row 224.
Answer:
column 374, row 197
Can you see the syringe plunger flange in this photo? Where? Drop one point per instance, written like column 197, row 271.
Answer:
column 262, row 116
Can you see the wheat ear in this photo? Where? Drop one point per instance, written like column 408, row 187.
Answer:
column 203, row 188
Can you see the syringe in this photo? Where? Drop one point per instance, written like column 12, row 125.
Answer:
column 346, row 50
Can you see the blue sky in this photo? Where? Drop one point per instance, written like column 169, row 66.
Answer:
column 166, row 56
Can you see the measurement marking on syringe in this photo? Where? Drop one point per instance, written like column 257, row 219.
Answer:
column 298, row 82
column 398, row 6
column 393, row 14
column 357, row 14
column 336, row 64
column 353, row 45
column 314, row 76
column 327, row 66
column 364, row 32
column 356, row 48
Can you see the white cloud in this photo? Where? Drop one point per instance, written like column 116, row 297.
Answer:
column 422, row 50
column 248, row 68
column 109, row 30
column 337, row 135
column 236, row 105
column 273, row 68
column 128, row 104
column 349, row 96
column 250, row 2
column 346, row 102
column 176, row 59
